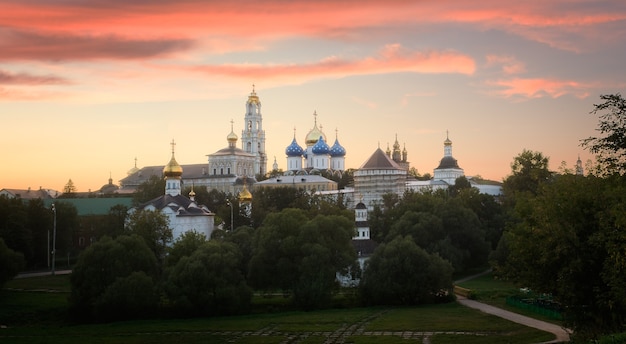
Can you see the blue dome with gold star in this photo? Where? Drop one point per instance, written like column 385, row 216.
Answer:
column 320, row 147
column 337, row 150
column 294, row 149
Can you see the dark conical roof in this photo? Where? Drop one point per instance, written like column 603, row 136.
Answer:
column 379, row 161
column 448, row 162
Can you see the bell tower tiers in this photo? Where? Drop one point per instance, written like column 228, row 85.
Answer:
column 253, row 135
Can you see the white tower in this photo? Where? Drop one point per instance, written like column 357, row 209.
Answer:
column 321, row 157
column 253, row 135
column 360, row 219
column 337, row 155
column 173, row 173
column 448, row 169
column 294, row 155
column 579, row 167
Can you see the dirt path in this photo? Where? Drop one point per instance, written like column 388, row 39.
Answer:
column 562, row 334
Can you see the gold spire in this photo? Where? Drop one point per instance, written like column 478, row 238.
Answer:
column 172, row 169
column 253, row 98
column 232, row 137
column 192, row 194
column 447, row 142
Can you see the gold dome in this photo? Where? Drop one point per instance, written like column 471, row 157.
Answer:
column 245, row 195
column 314, row 134
column 172, row 169
column 253, row 98
column 232, row 137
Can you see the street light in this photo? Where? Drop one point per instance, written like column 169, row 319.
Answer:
column 54, row 237
column 230, row 205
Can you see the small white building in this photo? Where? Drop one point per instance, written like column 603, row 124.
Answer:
column 183, row 213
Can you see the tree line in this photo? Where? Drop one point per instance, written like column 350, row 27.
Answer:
column 565, row 233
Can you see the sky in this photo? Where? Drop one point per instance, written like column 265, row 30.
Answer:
column 87, row 87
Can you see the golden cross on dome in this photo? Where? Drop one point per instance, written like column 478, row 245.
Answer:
column 173, row 144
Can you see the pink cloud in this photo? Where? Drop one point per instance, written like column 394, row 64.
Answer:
column 391, row 59
column 163, row 26
column 16, row 45
column 7, row 78
column 18, row 94
column 509, row 64
column 539, row 88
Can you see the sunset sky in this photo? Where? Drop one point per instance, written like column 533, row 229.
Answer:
column 88, row 86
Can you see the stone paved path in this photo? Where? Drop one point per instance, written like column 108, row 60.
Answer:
column 340, row 335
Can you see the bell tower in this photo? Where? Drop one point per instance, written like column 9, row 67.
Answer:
column 253, row 135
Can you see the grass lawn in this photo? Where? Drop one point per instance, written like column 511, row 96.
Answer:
column 35, row 311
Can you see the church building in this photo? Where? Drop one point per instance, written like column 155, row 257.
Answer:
column 318, row 155
column 226, row 169
column 183, row 213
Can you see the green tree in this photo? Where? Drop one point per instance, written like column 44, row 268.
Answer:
column 461, row 183
column 154, row 228
column 128, row 297
column 326, row 244
column 209, row 282
column 424, row 227
column 101, row 265
column 13, row 226
column 302, row 256
column 571, row 244
column 610, row 144
column 275, row 262
column 402, row 273
column 272, row 200
column 148, row 190
column 529, row 170
column 185, row 246
column 115, row 221
column 490, row 213
column 440, row 224
column 11, row 263
column 40, row 225
column 69, row 188
column 243, row 238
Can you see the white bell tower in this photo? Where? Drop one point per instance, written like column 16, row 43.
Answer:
column 253, row 135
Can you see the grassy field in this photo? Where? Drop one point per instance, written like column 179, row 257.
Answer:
column 34, row 311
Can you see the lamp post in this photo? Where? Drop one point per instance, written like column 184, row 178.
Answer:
column 230, row 205
column 54, row 237
column 48, row 248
